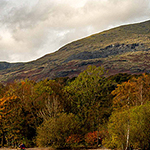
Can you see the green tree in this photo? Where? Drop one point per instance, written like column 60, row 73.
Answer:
column 117, row 128
column 85, row 95
column 140, row 126
column 139, row 118
column 48, row 98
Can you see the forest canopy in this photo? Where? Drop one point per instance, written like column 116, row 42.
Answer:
column 75, row 112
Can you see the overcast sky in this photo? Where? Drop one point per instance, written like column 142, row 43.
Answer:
column 30, row 29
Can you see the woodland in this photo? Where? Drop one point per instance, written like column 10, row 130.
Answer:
column 74, row 112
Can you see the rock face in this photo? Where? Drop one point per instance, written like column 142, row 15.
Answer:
column 124, row 49
column 110, row 50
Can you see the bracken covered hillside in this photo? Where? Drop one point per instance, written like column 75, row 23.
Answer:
column 122, row 49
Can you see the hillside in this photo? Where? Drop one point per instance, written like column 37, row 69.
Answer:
column 122, row 49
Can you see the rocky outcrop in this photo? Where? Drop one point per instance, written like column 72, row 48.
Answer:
column 115, row 49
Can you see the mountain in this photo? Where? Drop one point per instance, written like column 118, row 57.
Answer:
column 124, row 49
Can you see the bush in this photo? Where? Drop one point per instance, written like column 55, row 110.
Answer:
column 91, row 138
column 55, row 131
column 73, row 140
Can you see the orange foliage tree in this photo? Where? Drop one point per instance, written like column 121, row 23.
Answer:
column 134, row 92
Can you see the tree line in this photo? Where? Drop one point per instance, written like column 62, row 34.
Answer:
column 74, row 112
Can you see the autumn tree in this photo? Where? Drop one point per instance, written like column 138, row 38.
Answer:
column 19, row 117
column 134, row 92
column 17, row 121
column 142, row 89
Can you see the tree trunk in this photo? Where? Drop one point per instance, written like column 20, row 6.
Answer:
column 128, row 133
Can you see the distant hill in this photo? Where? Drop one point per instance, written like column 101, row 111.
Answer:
column 125, row 49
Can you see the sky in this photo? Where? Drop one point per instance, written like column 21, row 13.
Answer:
column 30, row 29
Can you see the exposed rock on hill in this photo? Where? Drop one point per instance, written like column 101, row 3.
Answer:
column 109, row 50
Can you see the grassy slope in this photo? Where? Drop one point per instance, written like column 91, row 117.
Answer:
column 127, row 34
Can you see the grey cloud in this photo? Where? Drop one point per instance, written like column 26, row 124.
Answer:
column 4, row 55
column 115, row 12
column 25, row 17
column 52, row 13
column 3, row 5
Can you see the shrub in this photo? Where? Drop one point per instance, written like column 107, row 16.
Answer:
column 73, row 140
column 91, row 138
column 55, row 131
